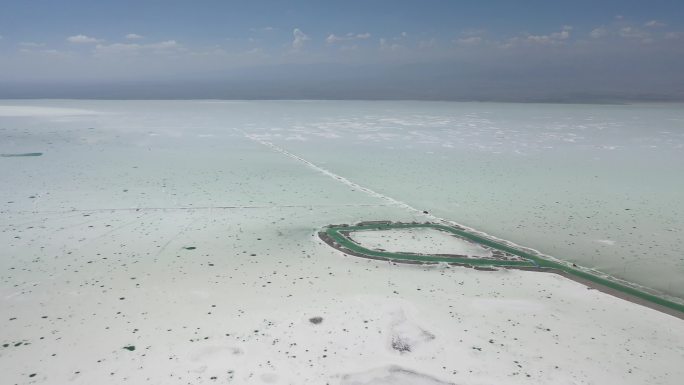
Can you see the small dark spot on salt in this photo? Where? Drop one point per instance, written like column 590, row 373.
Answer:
column 316, row 320
column 129, row 348
column 400, row 345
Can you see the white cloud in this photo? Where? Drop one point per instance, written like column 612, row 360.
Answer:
column 117, row 48
column 30, row 44
column 254, row 51
column 471, row 37
column 563, row 34
column 133, row 36
column 471, row 40
column 349, row 48
column 628, row 31
column 164, row 45
column 263, row 29
column 654, row 24
column 132, row 48
column 386, row 46
column 82, row 39
column 633, row 33
column 52, row 53
column 332, row 38
column 299, row 39
column 555, row 37
column 425, row 44
column 539, row 38
column 598, row 33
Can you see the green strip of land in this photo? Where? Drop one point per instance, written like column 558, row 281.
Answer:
column 531, row 261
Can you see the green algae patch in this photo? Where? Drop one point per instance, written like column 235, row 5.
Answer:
column 21, row 155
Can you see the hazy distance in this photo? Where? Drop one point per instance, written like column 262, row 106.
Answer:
column 432, row 50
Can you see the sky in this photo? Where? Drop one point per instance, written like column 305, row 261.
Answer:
column 600, row 50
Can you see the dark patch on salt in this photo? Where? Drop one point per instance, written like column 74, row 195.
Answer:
column 400, row 345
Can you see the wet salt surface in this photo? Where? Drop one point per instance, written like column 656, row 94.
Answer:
column 421, row 241
column 153, row 243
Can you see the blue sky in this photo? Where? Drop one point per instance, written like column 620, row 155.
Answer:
column 419, row 49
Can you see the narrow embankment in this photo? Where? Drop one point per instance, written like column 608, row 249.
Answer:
column 338, row 237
